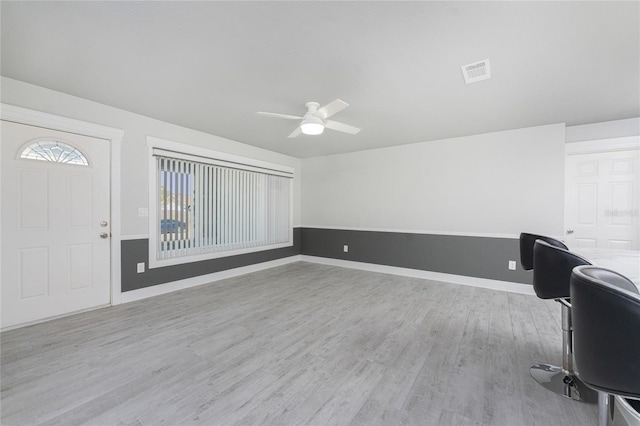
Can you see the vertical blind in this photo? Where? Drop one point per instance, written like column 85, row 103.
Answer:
column 207, row 206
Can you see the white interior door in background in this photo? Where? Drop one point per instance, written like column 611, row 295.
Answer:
column 602, row 200
column 55, row 223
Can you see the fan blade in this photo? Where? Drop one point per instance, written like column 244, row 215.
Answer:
column 341, row 127
column 296, row 132
column 332, row 108
column 275, row 114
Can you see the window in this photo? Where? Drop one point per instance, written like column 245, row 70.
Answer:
column 54, row 151
column 214, row 205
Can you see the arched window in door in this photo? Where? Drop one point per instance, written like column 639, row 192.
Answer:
column 54, row 151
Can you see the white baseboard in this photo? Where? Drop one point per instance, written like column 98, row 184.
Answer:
column 428, row 275
column 156, row 290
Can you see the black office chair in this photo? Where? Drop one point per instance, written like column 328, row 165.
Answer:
column 606, row 323
column 552, row 268
column 526, row 248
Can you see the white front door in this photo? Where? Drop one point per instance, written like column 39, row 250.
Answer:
column 55, row 223
column 602, row 200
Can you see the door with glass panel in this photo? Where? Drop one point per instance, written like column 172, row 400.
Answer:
column 55, row 223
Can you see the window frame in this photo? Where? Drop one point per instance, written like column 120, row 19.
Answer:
column 185, row 151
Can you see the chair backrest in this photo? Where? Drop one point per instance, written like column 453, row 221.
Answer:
column 526, row 248
column 552, row 268
column 606, row 330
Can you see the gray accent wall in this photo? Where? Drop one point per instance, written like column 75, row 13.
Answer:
column 135, row 251
column 483, row 257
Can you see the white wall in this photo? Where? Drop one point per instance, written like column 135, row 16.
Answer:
column 491, row 184
column 498, row 183
column 134, row 163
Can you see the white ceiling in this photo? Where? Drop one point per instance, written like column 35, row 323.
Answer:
column 211, row 66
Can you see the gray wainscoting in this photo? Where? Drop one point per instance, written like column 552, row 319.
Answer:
column 483, row 257
column 135, row 251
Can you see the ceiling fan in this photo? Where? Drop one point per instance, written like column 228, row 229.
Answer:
column 315, row 120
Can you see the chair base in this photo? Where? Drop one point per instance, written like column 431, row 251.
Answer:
column 626, row 412
column 559, row 381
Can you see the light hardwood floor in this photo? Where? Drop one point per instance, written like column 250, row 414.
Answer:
column 298, row 344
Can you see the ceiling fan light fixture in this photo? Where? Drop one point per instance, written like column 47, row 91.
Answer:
column 312, row 126
column 315, row 119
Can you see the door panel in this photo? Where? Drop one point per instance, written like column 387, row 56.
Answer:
column 621, row 244
column 587, row 204
column 621, row 201
column 80, row 203
column 584, row 243
column 80, row 265
column 33, row 279
column 53, row 259
column 34, row 206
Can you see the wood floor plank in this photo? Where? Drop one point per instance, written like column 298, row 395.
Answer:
column 298, row 344
column 350, row 396
column 374, row 413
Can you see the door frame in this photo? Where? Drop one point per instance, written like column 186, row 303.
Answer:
column 602, row 145
column 114, row 136
column 625, row 143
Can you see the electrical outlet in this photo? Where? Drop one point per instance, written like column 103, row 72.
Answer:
column 512, row 265
column 143, row 212
column 140, row 267
column 345, row 248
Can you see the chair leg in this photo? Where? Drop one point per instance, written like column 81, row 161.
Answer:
column 605, row 409
column 563, row 380
column 567, row 341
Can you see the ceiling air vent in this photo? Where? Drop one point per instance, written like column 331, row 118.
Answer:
column 476, row 71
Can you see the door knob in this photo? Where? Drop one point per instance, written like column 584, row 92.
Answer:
column 569, row 231
column 104, row 235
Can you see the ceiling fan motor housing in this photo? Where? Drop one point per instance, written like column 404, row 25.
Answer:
column 312, row 107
